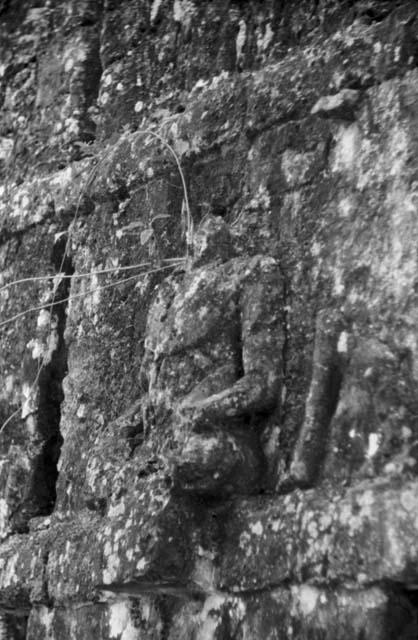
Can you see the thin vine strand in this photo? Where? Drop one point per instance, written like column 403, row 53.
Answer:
column 76, row 276
column 41, row 363
column 69, row 299
column 51, row 305
column 167, row 145
column 83, row 190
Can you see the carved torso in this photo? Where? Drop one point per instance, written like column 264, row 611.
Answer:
column 195, row 328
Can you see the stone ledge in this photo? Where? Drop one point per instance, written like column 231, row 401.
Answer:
column 366, row 535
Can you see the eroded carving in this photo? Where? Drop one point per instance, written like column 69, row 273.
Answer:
column 213, row 362
column 359, row 412
column 211, row 374
column 308, row 455
column 28, row 481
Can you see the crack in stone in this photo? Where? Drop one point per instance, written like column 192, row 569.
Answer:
column 44, row 447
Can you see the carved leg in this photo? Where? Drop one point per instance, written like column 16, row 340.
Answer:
column 321, row 401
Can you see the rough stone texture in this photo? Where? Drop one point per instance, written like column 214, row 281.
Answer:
column 208, row 395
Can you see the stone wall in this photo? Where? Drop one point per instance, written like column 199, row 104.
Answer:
column 208, row 293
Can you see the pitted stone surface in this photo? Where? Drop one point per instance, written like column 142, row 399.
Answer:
column 238, row 428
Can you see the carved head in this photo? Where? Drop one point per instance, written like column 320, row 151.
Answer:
column 212, row 241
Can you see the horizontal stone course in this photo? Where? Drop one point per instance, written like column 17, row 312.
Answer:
column 365, row 535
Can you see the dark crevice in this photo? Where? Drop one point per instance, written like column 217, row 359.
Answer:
column 44, row 445
column 87, row 83
column 50, row 388
column 13, row 625
column 139, row 588
column 91, row 86
column 402, row 612
column 238, row 349
column 285, row 325
column 412, row 595
column 46, row 598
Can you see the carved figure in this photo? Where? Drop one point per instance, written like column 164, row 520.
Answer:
column 212, row 363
